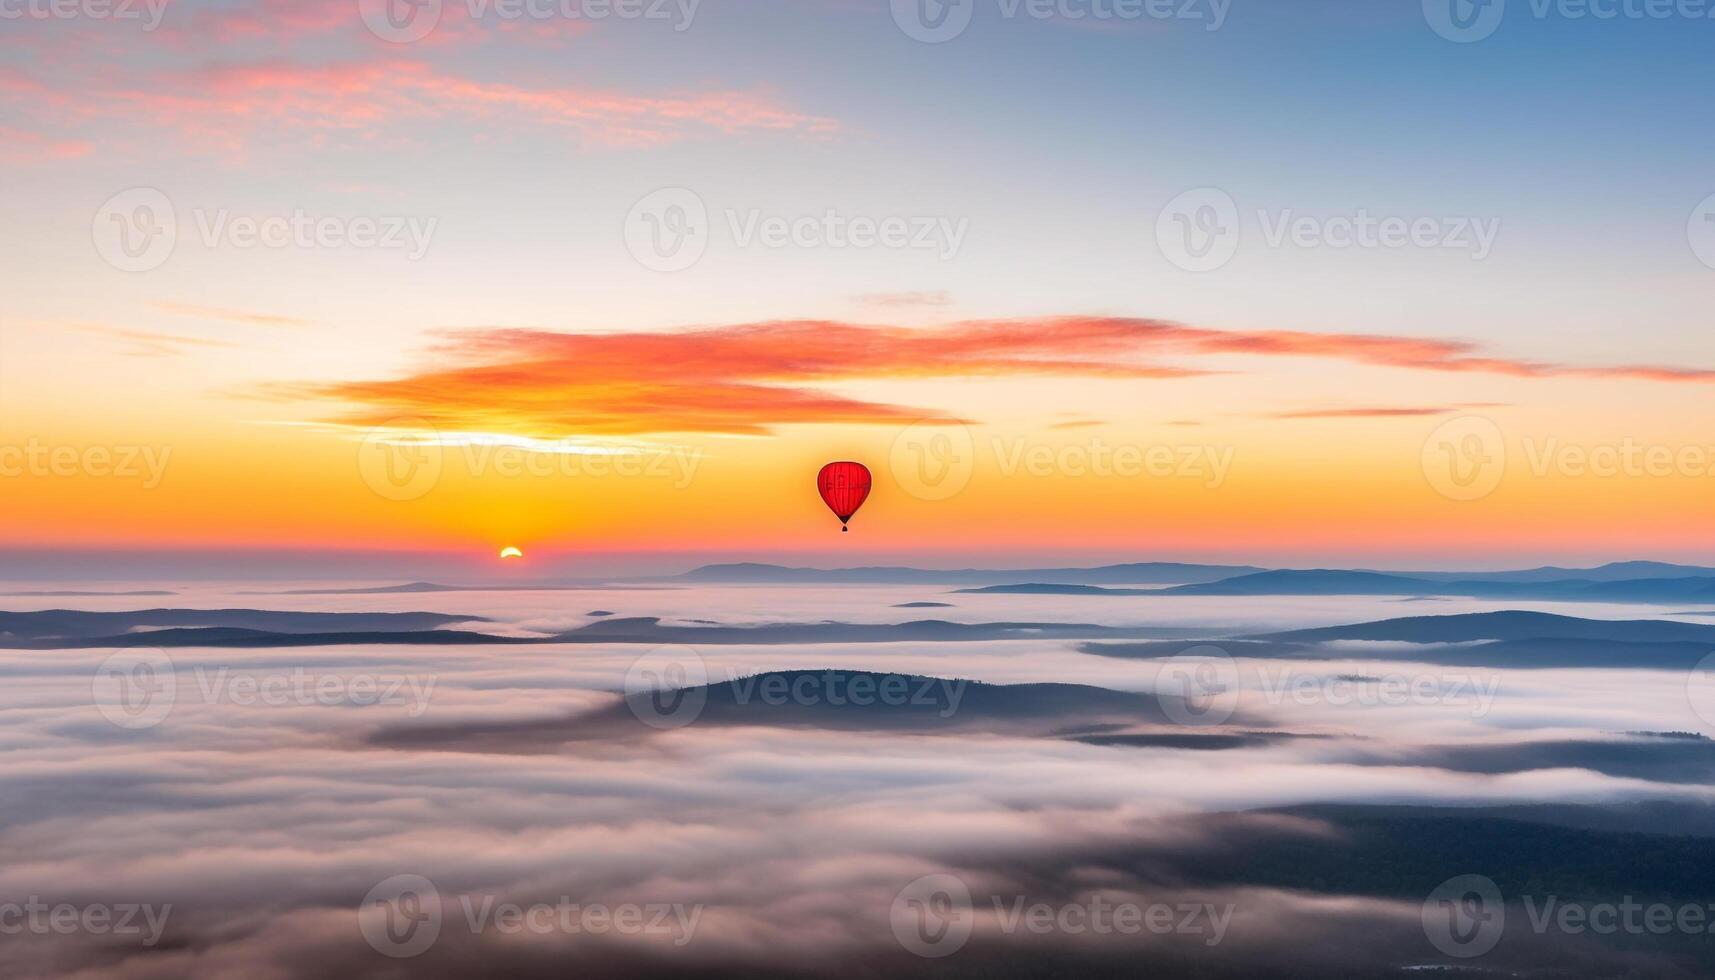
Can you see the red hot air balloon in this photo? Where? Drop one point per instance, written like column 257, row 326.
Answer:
column 843, row 487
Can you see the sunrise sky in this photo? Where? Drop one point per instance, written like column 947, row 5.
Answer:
column 1037, row 370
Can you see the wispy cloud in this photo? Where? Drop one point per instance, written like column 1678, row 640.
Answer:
column 148, row 343
column 937, row 297
column 232, row 316
column 232, row 108
column 1372, row 412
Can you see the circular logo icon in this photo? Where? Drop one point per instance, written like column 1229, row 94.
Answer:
column 1465, row 916
column 1700, row 231
column 135, row 230
column 933, row 460
column 933, row 21
column 1700, row 691
column 401, row 916
column 1464, row 21
column 667, row 230
column 401, row 460
column 400, row 21
column 667, row 687
column 933, row 916
column 1198, row 687
column 135, row 688
column 1465, row 458
column 1198, row 231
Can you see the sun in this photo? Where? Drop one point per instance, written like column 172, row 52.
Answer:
column 511, row 551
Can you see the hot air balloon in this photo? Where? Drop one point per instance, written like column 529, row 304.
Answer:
column 843, row 487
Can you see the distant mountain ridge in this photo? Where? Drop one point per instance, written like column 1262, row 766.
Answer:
column 1134, row 573
column 1626, row 581
column 1323, row 581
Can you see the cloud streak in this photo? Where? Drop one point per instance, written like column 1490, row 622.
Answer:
column 750, row 378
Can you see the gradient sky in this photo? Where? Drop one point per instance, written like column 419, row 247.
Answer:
column 1329, row 380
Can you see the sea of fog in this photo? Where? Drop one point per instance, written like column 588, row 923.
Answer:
column 267, row 824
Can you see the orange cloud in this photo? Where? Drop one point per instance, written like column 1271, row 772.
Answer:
column 748, row 378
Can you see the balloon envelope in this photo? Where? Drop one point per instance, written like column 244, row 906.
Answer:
column 844, row 486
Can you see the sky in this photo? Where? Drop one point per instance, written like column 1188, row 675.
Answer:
column 1395, row 283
